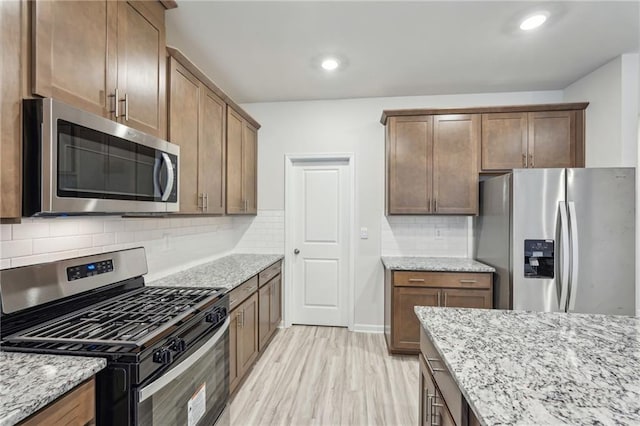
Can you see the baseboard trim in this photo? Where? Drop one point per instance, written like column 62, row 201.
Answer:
column 368, row 328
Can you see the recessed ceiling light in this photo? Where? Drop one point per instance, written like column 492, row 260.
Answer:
column 330, row 64
column 533, row 21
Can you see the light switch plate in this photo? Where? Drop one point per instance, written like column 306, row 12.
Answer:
column 364, row 233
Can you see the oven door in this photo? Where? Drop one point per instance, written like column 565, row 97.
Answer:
column 194, row 392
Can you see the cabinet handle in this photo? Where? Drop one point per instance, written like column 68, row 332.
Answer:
column 126, row 107
column 201, row 206
column 206, row 197
column 116, row 99
column 416, row 280
column 524, row 160
column 242, row 313
column 434, row 413
column 532, row 161
column 439, row 299
column 468, row 281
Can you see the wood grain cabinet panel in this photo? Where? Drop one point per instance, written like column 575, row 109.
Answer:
column 247, row 334
column 264, row 321
column 142, row 65
column 276, row 302
column 76, row 407
column 504, row 141
column 409, row 165
column 242, row 156
column 403, row 290
column 197, row 123
column 74, row 52
column 13, row 78
column 552, row 139
column 455, row 157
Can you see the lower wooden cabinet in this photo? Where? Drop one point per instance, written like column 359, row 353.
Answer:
column 270, row 314
column 255, row 315
column 245, row 339
column 77, row 407
column 406, row 289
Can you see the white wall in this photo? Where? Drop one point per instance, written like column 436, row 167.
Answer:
column 612, row 112
column 351, row 126
column 612, row 122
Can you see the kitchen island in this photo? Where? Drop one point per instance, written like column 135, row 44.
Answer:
column 495, row 367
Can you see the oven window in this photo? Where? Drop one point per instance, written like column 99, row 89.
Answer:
column 92, row 164
column 196, row 397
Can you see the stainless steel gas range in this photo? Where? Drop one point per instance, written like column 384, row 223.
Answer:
column 167, row 348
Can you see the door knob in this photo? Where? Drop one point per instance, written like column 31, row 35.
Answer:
column 296, row 251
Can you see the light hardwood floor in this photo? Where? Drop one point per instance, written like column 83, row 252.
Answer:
column 328, row 376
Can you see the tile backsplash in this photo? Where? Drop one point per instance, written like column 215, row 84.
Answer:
column 438, row 236
column 170, row 243
column 265, row 233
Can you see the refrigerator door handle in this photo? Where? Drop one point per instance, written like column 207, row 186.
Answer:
column 573, row 293
column 565, row 252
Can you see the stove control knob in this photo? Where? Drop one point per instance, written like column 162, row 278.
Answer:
column 216, row 315
column 178, row 345
column 163, row 356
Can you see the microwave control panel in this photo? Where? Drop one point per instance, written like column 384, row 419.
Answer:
column 89, row 269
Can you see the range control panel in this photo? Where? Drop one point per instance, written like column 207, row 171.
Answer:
column 89, row 269
column 539, row 258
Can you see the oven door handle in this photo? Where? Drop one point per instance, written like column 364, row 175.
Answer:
column 167, row 378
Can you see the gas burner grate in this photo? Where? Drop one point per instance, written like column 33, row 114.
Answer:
column 129, row 320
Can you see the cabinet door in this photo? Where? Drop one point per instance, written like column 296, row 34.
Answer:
column 455, row 163
column 264, row 317
column 504, row 141
column 184, row 104
column 552, row 139
column 276, row 302
column 13, row 73
column 141, row 65
column 248, row 334
column 74, row 56
column 233, row 349
column 406, row 327
column 467, row 299
column 250, row 168
column 235, row 202
column 409, row 155
column 211, row 165
column 427, row 392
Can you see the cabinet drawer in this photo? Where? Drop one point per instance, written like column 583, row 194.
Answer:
column 450, row 392
column 240, row 293
column 442, row 279
column 266, row 275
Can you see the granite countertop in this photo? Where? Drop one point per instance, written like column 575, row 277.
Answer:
column 524, row 368
column 228, row 272
column 29, row 382
column 434, row 264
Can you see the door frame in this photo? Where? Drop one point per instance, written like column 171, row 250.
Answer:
column 289, row 160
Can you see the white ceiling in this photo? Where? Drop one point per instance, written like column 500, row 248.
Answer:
column 269, row 51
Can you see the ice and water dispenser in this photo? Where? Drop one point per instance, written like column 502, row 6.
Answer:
column 538, row 259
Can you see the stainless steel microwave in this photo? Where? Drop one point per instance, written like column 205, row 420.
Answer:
column 75, row 163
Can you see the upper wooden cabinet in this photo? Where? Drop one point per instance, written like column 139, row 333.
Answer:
column 242, row 158
column 197, row 124
column 532, row 139
column 432, row 164
column 106, row 57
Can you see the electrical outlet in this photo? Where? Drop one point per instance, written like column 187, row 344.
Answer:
column 440, row 231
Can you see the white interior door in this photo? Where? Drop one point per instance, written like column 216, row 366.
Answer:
column 321, row 210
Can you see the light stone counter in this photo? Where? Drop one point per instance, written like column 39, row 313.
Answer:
column 29, row 382
column 527, row 368
column 434, row 264
column 227, row 272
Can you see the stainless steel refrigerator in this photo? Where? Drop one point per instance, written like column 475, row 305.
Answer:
column 560, row 239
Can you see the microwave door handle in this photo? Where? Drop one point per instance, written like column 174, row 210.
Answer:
column 170, row 177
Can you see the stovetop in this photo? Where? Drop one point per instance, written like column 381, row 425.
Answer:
column 122, row 323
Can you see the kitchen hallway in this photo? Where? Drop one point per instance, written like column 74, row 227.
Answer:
column 328, row 376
